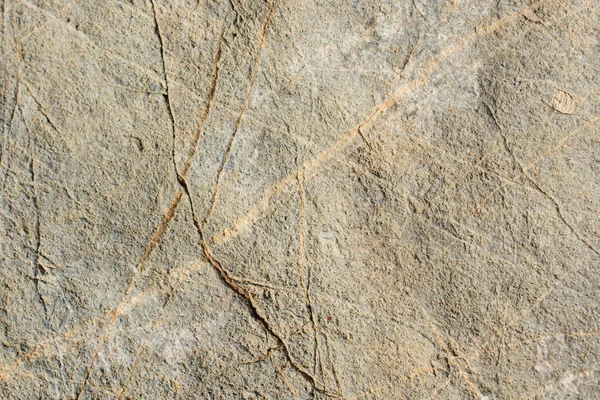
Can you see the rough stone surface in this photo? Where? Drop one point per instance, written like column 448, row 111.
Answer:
column 271, row 199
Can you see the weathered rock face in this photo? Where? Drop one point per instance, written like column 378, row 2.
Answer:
column 247, row 199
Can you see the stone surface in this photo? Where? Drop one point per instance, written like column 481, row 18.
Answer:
column 248, row 199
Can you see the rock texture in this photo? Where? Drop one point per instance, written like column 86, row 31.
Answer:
column 275, row 199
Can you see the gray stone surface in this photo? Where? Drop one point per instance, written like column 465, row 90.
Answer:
column 275, row 199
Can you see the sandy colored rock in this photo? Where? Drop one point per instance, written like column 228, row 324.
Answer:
column 272, row 199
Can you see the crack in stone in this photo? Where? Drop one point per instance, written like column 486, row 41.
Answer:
column 359, row 132
column 86, row 37
column 242, row 292
column 452, row 355
column 226, row 277
column 591, row 122
column 207, row 107
column 245, row 105
column 223, row 273
column 40, row 272
column 161, row 229
column 123, row 390
column 305, row 276
column 257, row 212
column 524, row 172
column 167, row 95
column 561, row 215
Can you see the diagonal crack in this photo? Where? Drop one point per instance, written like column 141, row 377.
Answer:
column 123, row 390
column 305, row 276
column 245, row 105
column 175, row 201
column 345, row 139
column 394, row 97
column 167, row 94
column 452, row 355
column 41, row 108
column 525, row 172
column 40, row 271
column 224, row 274
column 159, row 231
column 207, row 107
column 591, row 122
column 561, row 215
column 492, row 113
column 241, row 291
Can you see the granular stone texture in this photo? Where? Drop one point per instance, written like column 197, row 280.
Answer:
column 277, row 199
